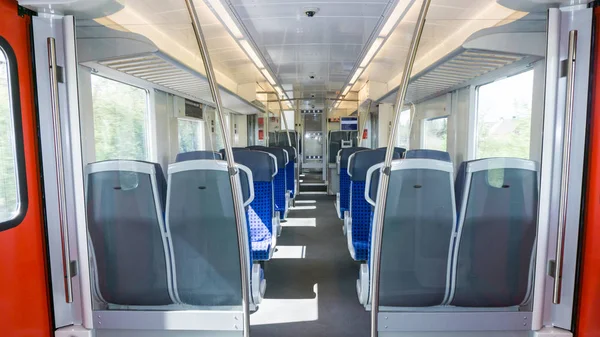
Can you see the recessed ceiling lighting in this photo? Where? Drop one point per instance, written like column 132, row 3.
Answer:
column 356, row 75
column 374, row 48
column 252, row 54
column 224, row 15
column 268, row 76
column 400, row 9
column 345, row 92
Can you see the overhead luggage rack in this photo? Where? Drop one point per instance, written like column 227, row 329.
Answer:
column 141, row 58
column 456, row 71
column 483, row 53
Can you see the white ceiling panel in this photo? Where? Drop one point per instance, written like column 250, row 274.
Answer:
column 326, row 46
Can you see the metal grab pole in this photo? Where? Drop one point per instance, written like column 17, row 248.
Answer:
column 287, row 130
column 386, row 170
column 267, row 123
column 60, row 173
column 566, row 168
column 364, row 124
column 235, row 183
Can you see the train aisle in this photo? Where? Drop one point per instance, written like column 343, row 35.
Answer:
column 311, row 281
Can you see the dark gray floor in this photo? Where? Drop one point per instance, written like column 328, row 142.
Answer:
column 291, row 307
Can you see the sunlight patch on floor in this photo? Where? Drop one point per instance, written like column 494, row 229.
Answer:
column 281, row 311
column 300, row 222
column 290, row 252
column 302, row 208
column 306, row 201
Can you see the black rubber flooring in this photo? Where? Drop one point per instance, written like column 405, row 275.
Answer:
column 311, row 282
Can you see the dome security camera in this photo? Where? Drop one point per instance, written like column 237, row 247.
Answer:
column 310, row 12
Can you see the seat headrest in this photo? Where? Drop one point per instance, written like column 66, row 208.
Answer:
column 260, row 163
column 483, row 165
column 291, row 152
column 397, row 151
column 198, row 155
column 161, row 181
column 233, row 149
column 428, row 154
column 278, row 152
column 347, row 152
column 363, row 160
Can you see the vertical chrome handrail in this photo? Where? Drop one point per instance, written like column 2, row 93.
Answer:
column 235, row 183
column 60, row 173
column 364, row 124
column 386, row 171
column 566, row 167
column 287, row 130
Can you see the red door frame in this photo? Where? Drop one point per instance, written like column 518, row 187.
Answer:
column 588, row 311
column 24, row 284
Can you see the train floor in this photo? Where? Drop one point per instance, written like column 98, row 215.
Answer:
column 311, row 280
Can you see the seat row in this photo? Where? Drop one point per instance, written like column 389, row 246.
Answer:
column 467, row 242
column 273, row 172
column 353, row 164
column 172, row 236
column 158, row 245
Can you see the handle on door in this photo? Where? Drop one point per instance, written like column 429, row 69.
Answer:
column 60, row 175
column 566, row 165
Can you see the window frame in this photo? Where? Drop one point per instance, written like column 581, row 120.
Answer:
column 411, row 116
column 201, row 125
column 149, row 118
column 18, row 146
column 424, row 129
column 474, row 109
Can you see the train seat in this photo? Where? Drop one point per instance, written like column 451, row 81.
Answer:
column 357, row 219
column 342, row 202
column 428, row 154
column 195, row 155
column 201, row 224
column 290, row 174
column 497, row 205
column 260, row 213
column 128, row 245
column 282, row 196
column 417, row 236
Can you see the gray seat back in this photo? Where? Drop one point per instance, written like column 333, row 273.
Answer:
column 418, row 224
column 195, row 155
column 428, row 154
column 125, row 224
column 496, row 232
column 201, row 221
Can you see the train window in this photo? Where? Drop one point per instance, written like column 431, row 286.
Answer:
column 403, row 132
column 13, row 189
column 191, row 135
column 120, row 120
column 435, row 132
column 289, row 116
column 504, row 117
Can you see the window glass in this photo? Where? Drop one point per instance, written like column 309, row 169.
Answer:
column 120, row 120
column 435, row 134
column 9, row 196
column 191, row 135
column 504, row 117
column 403, row 132
column 289, row 116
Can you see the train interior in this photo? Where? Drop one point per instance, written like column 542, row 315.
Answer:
column 353, row 168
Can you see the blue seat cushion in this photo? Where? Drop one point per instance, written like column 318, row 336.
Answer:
column 259, row 216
